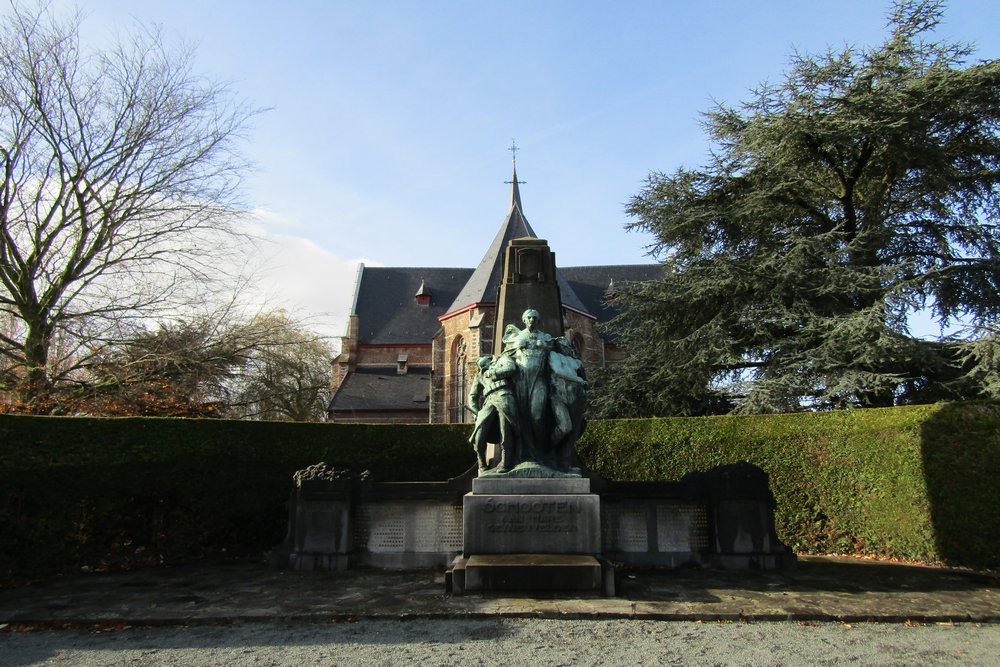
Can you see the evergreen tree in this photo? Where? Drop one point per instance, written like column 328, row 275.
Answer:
column 861, row 189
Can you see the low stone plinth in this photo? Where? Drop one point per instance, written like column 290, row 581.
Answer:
column 526, row 534
column 528, row 572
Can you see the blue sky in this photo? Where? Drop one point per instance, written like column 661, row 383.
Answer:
column 388, row 126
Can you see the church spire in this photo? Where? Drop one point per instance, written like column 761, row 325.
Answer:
column 515, row 192
column 484, row 283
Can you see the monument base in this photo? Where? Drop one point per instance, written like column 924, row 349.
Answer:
column 531, row 573
column 531, row 534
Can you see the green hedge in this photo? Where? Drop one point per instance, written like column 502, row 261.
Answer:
column 78, row 492
column 915, row 483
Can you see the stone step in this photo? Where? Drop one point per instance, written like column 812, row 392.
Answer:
column 530, row 572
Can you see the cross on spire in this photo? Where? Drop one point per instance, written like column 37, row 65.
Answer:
column 513, row 152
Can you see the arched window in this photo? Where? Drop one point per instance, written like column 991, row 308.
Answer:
column 458, row 380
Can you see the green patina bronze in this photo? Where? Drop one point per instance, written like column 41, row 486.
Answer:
column 529, row 402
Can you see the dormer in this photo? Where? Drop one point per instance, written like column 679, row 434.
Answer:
column 423, row 296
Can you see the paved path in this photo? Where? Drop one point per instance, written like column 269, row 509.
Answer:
column 512, row 641
column 818, row 589
column 825, row 611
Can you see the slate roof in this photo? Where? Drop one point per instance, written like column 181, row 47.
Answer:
column 591, row 283
column 386, row 302
column 382, row 389
column 483, row 286
column 385, row 298
column 388, row 312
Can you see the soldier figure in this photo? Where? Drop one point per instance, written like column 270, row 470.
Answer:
column 491, row 400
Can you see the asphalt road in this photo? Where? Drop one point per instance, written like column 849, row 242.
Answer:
column 509, row 641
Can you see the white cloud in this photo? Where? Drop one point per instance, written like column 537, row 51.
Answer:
column 265, row 219
column 298, row 275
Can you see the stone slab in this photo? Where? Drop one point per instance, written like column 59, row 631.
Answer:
column 535, row 524
column 532, row 572
column 527, row 485
column 654, row 532
column 323, row 527
column 406, row 527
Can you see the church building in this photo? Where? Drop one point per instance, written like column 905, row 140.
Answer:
column 415, row 333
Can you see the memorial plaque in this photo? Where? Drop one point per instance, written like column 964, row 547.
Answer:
column 400, row 528
column 681, row 527
column 626, row 528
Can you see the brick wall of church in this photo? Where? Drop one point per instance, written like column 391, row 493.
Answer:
column 457, row 337
column 437, row 404
column 582, row 330
column 347, row 360
column 387, row 355
column 613, row 353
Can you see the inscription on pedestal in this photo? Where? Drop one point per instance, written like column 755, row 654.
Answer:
column 527, row 516
column 532, row 524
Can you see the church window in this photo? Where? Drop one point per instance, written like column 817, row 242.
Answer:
column 458, row 380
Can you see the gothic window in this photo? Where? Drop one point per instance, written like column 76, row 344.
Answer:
column 458, row 388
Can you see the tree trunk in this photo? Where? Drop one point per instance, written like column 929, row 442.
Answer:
column 37, row 344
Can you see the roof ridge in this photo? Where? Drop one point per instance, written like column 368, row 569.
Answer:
column 418, row 268
column 609, row 266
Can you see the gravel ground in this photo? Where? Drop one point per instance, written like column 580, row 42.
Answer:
column 506, row 641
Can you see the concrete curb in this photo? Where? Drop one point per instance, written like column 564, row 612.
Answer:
column 30, row 624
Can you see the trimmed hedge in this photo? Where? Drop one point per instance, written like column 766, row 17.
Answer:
column 915, row 483
column 110, row 493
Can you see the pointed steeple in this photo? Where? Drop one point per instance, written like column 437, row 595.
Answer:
column 484, row 284
column 485, row 280
column 515, row 192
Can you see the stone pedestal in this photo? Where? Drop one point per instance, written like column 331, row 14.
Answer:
column 531, row 534
column 319, row 528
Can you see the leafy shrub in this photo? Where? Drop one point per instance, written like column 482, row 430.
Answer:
column 915, row 483
column 117, row 492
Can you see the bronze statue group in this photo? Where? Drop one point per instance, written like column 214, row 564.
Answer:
column 529, row 402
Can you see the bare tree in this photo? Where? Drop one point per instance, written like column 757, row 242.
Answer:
column 119, row 174
column 217, row 364
column 287, row 373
